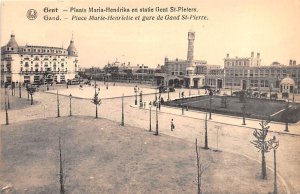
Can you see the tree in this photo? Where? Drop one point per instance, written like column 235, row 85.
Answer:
column 62, row 177
column 201, row 168
column 262, row 145
column 96, row 101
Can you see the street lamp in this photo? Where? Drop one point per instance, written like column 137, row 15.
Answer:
column 286, row 116
column 244, row 113
column 156, row 131
column 20, row 94
column 122, row 122
column 150, row 106
column 7, row 93
column 210, row 102
column 274, row 146
column 57, row 99
column 141, row 99
column 70, row 97
column 6, row 113
column 182, row 96
column 135, row 91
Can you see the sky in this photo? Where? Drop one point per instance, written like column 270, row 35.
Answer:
column 237, row 27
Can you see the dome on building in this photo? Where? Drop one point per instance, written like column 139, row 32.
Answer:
column 12, row 43
column 287, row 81
column 71, row 49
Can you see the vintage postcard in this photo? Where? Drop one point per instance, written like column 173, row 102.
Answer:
column 150, row 96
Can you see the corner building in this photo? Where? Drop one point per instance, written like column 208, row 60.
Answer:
column 37, row 64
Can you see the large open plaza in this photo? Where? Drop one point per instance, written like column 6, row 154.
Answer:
column 150, row 97
column 130, row 158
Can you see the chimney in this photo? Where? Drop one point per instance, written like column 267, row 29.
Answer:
column 252, row 54
column 291, row 62
column 294, row 62
column 258, row 55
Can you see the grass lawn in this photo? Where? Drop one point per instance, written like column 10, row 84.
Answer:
column 103, row 157
column 255, row 108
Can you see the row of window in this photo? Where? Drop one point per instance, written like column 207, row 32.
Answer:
column 36, row 57
column 242, row 73
column 41, row 69
column 45, row 50
column 46, row 64
column 237, row 63
column 177, row 73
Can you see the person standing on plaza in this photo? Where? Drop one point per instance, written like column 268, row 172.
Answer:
column 172, row 125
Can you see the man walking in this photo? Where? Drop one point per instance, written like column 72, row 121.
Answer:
column 172, row 125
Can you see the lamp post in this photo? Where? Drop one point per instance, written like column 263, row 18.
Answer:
column 150, row 106
column 122, row 121
column 136, row 91
column 70, row 97
column 210, row 102
column 107, row 81
column 57, row 99
column 141, row 99
column 231, row 87
column 6, row 113
column 294, row 93
column 274, row 146
column 206, row 138
column 244, row 113
column 286, row 116
column 156, row 131
column 20, row 95
column 168, row 94
column 8, row 104
column 27, row 88
column 182, row 96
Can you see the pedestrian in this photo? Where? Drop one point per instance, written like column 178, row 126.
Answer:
column 172, row 125
column 144, row 104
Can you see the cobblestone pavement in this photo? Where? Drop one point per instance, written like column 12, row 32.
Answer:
column 225, row 133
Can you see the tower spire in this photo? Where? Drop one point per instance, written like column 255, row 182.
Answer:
column 191, row 38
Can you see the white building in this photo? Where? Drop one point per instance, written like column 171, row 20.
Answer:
column 22, row 64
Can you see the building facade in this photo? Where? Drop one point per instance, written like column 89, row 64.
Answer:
column 183, row 73
column 248, row 73
column 37, row 64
